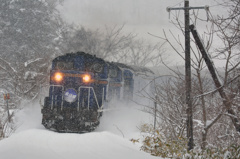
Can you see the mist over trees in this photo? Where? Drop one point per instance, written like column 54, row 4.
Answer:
column 33, row 33
column 113, row 44
column 30, row 36
column 30, row 33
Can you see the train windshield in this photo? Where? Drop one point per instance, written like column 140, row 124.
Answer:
column 113, row 73
column 64, row 65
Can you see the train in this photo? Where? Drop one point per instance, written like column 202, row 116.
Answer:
column 80, row 87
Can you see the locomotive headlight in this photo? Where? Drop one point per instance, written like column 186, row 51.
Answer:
column 58, row 77
column 86, row 78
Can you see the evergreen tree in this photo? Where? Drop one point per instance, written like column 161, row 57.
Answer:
column 30, row 35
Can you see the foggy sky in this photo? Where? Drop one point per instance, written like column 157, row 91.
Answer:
column 139, row 16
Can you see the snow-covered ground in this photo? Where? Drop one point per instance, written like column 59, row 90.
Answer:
column 111, row 140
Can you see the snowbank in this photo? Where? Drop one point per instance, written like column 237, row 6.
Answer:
column 110, row 141
column 43, row 144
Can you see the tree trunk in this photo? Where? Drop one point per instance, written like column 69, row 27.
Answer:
column 226, row 101
column 204, row 139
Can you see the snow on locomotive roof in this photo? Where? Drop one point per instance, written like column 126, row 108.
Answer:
column 137, row 70
column 72, row 55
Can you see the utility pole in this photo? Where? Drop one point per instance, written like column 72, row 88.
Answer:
column 188, row 77
column 188, row 86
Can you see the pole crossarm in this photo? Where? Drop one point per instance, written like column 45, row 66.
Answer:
column 190, row 8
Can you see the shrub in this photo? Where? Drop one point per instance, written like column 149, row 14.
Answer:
column 157, row 144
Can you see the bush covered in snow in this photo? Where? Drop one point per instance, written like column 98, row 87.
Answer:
column 157, row 144
column 7, row 125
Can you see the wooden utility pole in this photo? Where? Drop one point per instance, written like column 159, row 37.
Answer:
column 188, row 88
column 188, row 77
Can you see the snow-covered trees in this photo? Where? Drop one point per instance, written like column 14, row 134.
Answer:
column 227, row 31
column 216, row 117
column 30, row 35
column 28, row 29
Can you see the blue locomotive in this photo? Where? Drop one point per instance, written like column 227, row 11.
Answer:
column 80, row 86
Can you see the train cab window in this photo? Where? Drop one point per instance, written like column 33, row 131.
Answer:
column 64, row 65
column 113, row 73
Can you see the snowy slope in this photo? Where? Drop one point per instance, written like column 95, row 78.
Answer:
column 109, row 141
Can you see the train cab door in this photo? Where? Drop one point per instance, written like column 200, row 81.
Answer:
column 128, row 85
column 114, row 91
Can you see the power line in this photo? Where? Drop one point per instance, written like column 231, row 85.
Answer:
column 177, row 4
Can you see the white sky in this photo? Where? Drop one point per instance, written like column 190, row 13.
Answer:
column 139, row 16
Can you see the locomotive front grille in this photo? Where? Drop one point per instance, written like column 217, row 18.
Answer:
column 83, row 97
